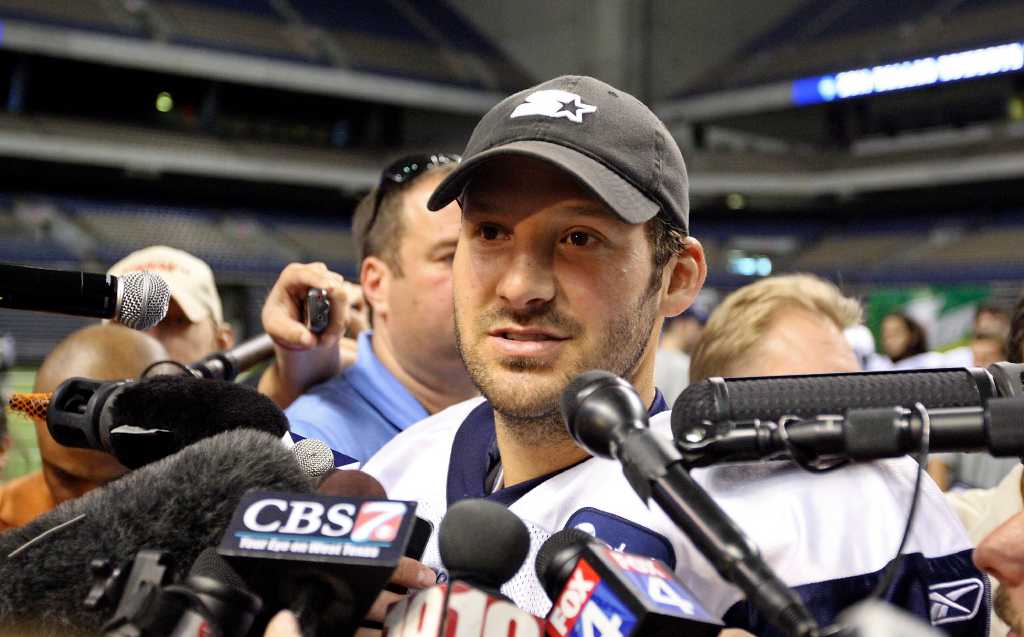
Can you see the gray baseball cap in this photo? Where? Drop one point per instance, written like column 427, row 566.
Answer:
column 606, row 138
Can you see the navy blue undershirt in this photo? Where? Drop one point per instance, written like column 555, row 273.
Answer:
column 475, row 454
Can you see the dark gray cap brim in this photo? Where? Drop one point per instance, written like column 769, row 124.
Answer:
column 619, row 195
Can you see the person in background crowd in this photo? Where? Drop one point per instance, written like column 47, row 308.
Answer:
column 683, row 332
column 5, row 442
column 987, row 348
column 6, row 361
column 905, row 343
column 994, row 520
column 101, row 352
column 987, row 338
column 671, row 365
column 974, row 470
column 679, row 337
column 1015, row 339
column 408, row 367
column 194, row 326
column 790, row 324
column 992, row 319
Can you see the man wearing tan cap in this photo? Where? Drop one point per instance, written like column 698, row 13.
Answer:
column 194, row 325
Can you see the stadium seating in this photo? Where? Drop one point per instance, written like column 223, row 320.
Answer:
column 425, row 40
column 834, row 35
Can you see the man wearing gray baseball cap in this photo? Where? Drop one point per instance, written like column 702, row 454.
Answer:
column 573, row 249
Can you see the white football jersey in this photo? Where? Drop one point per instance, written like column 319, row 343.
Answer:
column 826, row 535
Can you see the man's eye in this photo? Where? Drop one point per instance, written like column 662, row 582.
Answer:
column 490, row 233
column 579, row 238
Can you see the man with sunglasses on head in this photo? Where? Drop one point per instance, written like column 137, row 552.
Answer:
column 408, row 366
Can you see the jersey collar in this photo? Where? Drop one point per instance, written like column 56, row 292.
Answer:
column 475, row 453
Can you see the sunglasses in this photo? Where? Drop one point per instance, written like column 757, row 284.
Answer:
column 402, row 172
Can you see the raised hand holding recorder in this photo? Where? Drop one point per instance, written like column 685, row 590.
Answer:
column 304, row 357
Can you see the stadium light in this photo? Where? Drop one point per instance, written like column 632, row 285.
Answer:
column 164, row 102
column 925, row 71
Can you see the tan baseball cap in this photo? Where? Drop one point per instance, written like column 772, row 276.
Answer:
column 189, row 278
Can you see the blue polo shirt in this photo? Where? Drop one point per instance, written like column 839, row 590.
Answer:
column 357, row 411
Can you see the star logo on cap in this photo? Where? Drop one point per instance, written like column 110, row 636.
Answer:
column 554, row 103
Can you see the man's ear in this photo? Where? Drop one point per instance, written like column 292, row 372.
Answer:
column 375, row 279
column 683, row 277
column 225, row 336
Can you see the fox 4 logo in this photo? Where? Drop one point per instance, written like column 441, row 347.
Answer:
column 586, row 608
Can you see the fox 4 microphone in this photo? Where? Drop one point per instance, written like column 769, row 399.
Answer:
column 138, row 300
column 482, row 546
column 599, row 591
column 605, row 416
column 141, row 421
column 323, row 556
column 179, row 505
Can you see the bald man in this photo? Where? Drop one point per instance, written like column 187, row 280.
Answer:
column 98, row 352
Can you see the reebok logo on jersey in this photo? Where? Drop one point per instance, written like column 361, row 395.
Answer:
column 955, row 601
column 554, row 103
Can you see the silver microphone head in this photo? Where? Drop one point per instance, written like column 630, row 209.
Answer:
column 143, row 300
column 314, row 457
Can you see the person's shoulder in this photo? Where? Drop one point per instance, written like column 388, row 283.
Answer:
column 23, row 499
column 430, row 436
column 334, row 400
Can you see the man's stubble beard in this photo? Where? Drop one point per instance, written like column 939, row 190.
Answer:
column 532, row 417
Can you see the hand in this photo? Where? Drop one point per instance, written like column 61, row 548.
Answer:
column 282, row 314
column 410, row 574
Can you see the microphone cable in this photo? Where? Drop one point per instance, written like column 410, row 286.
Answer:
column 890, row 571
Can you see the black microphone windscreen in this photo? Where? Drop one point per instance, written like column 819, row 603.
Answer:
column 180, row 504
column 579, row 388
column 482, row 542
column 770, row 398
column 351, row 483
column 551, row 547
column 196, row 408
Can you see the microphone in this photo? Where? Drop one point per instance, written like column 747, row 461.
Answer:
column 229, row 364
column 866, row 434
column 179, row 505
column 597, row 590
column 137, row 300
column 142, row 421
column 482, row 546
column 323, row 556
column 352, row 483
column 605, row 416
column 314, row 457
column 211, row 601
column 704, row 405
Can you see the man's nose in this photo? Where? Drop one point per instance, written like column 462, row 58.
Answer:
column 528, row 279
column 1001, row 552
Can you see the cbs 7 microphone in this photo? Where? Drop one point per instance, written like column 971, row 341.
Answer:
column 324, row 557
column 482, row 546
column 599, row 591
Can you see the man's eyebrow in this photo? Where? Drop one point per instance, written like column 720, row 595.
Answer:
column 585, row 208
